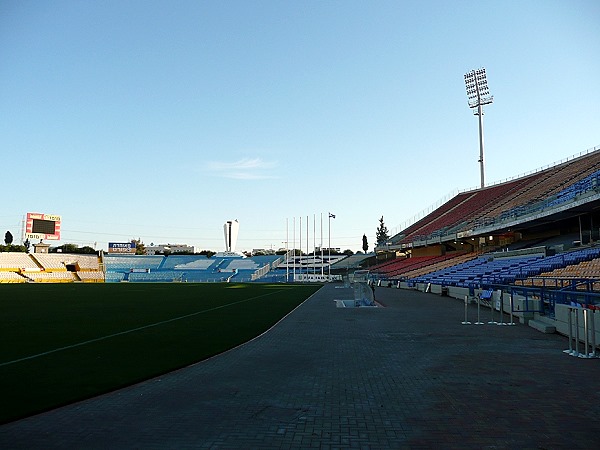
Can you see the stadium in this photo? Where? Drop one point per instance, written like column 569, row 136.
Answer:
column 95, row 326
column 523, row 251
column 164, row 283
column 527, row 245
column 531, row 240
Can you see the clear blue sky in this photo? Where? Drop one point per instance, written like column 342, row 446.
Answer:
column 163, row 119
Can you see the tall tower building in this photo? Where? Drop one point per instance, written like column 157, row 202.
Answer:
column 231, row 229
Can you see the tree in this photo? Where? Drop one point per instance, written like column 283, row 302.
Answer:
column 66, row 248
column 382, row 234
column 140, row 248
column 13, row 248
column 8, row 238
column 73, row 249
column 348, row 252
column 365, row 245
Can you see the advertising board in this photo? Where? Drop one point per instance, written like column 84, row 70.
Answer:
column 124, row 248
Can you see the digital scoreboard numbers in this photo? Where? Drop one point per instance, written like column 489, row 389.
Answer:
column 43, row 226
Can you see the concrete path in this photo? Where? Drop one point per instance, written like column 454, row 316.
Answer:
column 407, row 376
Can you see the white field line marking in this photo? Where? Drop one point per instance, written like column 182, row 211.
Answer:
column 133, row 330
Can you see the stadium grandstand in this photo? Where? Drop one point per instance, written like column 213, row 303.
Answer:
column 18, row 267
column 528, row 244
column 191, row 268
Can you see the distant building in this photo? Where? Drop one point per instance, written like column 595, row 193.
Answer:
column 169, row 248
column 231, row 229
column 263, row 251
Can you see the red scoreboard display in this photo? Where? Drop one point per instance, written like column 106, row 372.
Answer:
column 42, row 226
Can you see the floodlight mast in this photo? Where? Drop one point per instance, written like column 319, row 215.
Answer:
column 478, row 94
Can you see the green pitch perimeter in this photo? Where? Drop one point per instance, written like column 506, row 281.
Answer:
column 60, row 343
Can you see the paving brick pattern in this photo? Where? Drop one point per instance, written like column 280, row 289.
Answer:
column 407, row 376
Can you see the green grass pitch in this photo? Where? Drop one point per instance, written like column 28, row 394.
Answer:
column 60, row 343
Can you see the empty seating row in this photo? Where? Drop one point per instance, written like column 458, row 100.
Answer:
column 468, row 209
column 398, row 268
column 487, row 270
column 112, row 262
column 11, row 277
column 62, row 260
column 156, row 276
column 91, row 275
column 51, row 277
column 16, row 261
column 413, row 273
column 183, row 262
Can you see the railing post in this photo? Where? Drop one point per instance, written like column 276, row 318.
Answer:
column 570, row 350
column 492, row 321
column 586, row 333
column 479, row 322
column 590, row 345
column 511, row 309
column 501, row 310
column 594, row 353
column 466, row 322
column 576, row 331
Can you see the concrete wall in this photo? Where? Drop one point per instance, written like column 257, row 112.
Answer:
column 561, row 321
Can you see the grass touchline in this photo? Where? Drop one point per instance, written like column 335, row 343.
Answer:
column 120, row 333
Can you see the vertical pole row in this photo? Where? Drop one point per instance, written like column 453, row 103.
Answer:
column 589, row 331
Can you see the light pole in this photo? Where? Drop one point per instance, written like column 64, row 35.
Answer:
column 478, row 94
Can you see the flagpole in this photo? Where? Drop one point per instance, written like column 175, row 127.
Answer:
column 329, row 249
column 314, row 242
column 300, row 245
column 294, row 239
column 307, row 244
column 321, row 244
column 287, row 251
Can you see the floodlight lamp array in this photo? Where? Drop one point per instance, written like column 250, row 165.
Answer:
column 478, row 92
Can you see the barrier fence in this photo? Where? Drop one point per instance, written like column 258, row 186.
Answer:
column 488, row 295
column 589, row 332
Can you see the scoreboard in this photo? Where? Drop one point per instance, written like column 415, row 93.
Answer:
column 42, row 226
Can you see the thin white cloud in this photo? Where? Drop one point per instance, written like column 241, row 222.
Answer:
column 243, row 169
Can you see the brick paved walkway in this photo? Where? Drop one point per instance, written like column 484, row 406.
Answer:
column 401, row 377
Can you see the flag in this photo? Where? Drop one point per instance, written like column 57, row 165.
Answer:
column 331, row 216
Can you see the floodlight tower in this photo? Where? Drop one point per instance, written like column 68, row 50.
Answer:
column 478, row 94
